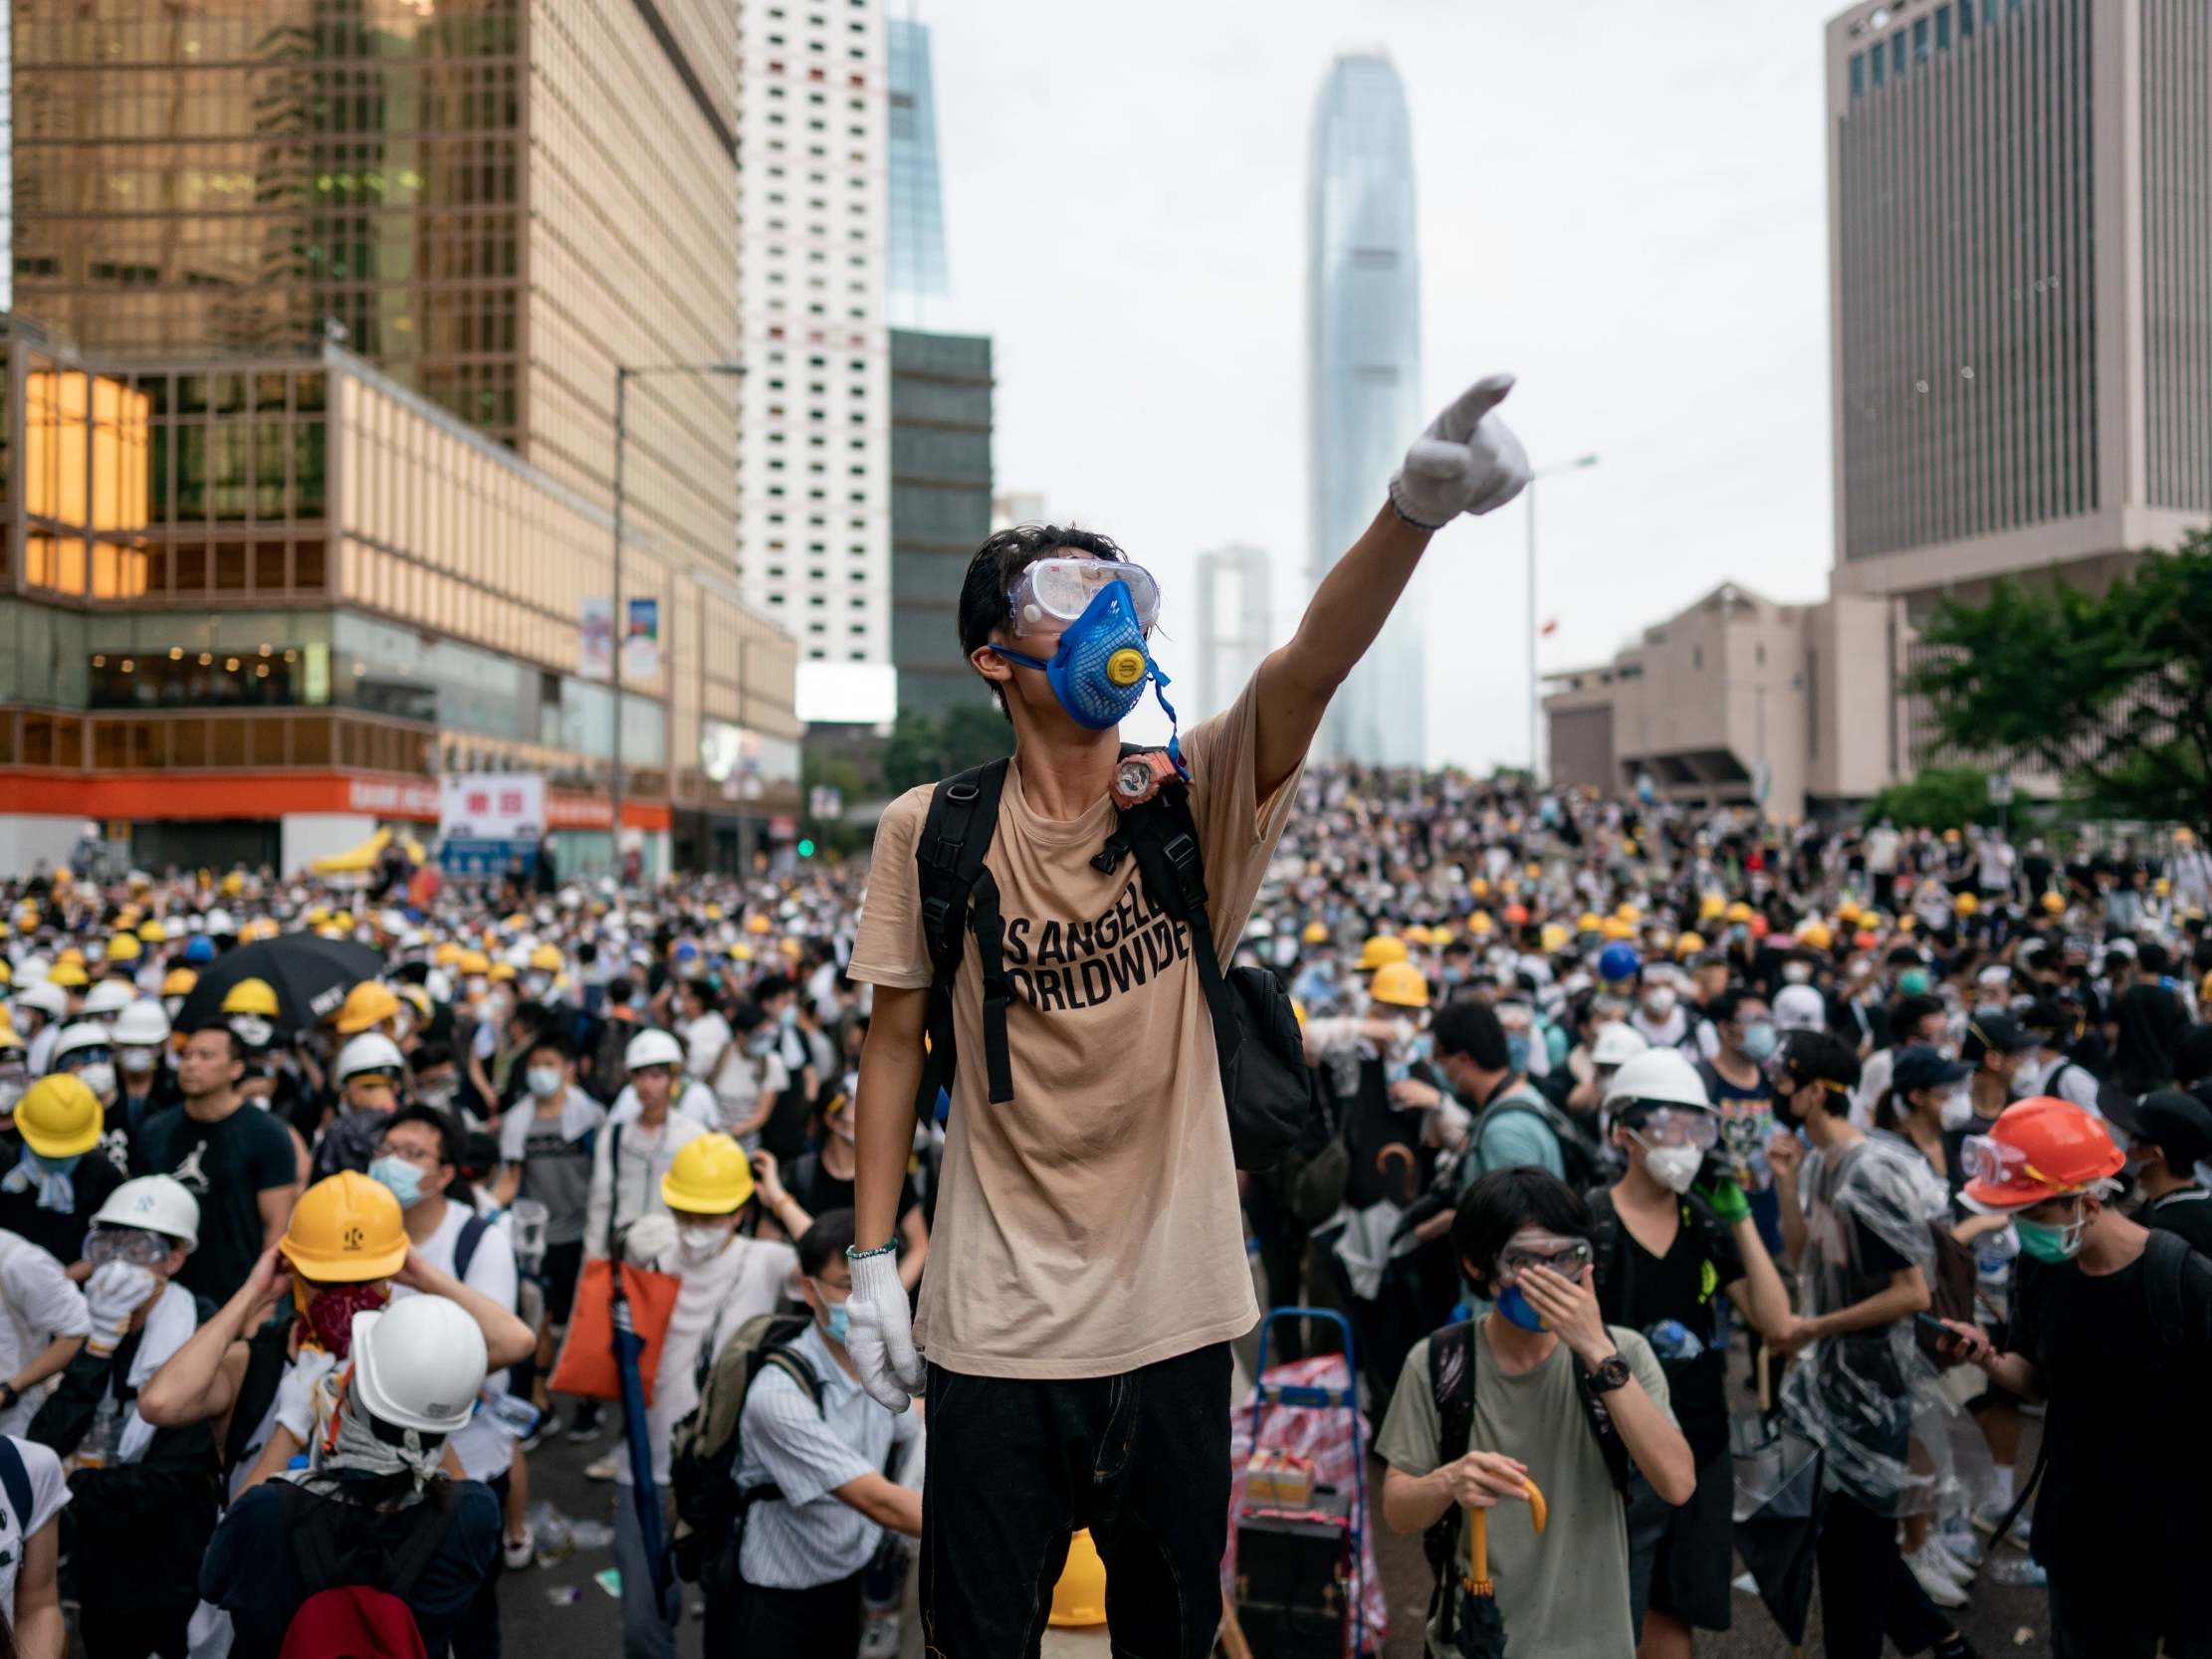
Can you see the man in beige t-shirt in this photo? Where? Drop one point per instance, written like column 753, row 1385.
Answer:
column 1087, row 1268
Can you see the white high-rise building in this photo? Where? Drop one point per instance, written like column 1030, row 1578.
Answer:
column 813, row 453
column 1236, row 605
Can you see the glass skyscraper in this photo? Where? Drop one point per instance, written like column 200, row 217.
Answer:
column 916, row 239
column 1363, row 314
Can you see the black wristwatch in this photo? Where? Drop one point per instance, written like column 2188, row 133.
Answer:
column 9, row 1394
column 1611, row 1373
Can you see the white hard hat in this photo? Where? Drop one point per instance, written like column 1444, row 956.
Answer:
column 142, row 1024
column 76, row 1038
column 371, row 1051
column 1660, row 1075
column 1799, row 1008
column 156, row 1203
column 419, row 1363
column 108, row 998
column 652, row 1047
column 219, row 923
column 32, row 971
column 49, row 999
column 1617, row 1043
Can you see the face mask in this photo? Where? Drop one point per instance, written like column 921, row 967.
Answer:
column 252, row 1030
column 441, row 1094
column 1674, row 1167
column 326, row 1315
column 1516, row 1308
column 536, row 985
column 837, row 1323
column 1798, row 974
column 2046, row 1243
column 58, row 1165
column 544, row 1081
column 1660, row 1003
column 1516, row 1051
column 699, row 1242
column 138, row 1062
column 1099, row 670
column 474, row 986
column 1913, row 981
column 12, row 1089
column 402, row 1178
column 1760, row 1040
column 100, row 1078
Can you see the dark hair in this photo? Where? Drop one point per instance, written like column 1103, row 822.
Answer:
column 1909, row 1011
column 1465, row 1026
column 829, row 1238
column 429, row 1055
column 554, row 1042
column 237, row 1048
column 1825, row 1058
column 774, row 986
column 452, row 1140
column 1724, row 1008
column 620, row 991
column 530, row 1016
column 1001, row 560
column 2154, row 957
column 2192, row 1056
column 746, row 1016
column 1500, row 1205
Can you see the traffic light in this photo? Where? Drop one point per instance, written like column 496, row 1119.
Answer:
column 806, row 848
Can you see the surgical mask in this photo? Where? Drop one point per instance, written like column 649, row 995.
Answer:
column 252, row 1029
column 1101, row 667
column 698, row 1241
column 402, row 1178
column 441, row 1094
column 1660, row 1003
column 536, row 985
column 98, row 1076
column 475, row 985
column 138, row 1062
column 837, row 1323
column 1798, row 974
column 1674, row 1167
column 2046, row 1243
column 12, row 1089
column 1516, row 1051
column 544, row 1081
column 1913, row 981
column 1759, row 1040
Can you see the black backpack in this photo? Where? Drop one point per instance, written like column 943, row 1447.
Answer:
column 1451, row 1354
column 703, row 1448
column 1580, row 1157
column 1255, row 1031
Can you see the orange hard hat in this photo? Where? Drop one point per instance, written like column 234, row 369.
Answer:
column 1516, row 915
column 2039, row 1148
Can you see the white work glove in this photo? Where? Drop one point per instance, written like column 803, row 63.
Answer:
column 1467, row 460
column 115, row 1291
column 296, row 1392
column 880, row 1333
column 649, row 1238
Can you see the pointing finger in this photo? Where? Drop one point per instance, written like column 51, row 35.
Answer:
column 1467, row 409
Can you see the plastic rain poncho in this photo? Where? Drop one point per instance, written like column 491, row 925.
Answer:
column 1870, row 1397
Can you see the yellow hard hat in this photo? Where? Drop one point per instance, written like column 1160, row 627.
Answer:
column 152, row 932
column 1629, row 913
column 70, row 977
column 59, row 1115
column 1588, row 921
column 1079, row 1598
column 1814, row 935
column 2054, row 904
column 251, row 997
column 1849, row 913
column 1533, row 871
column 1711, row 906
column 1480, row 924
column 446, row 954
column 1314, row 932
column 1740, row 912
column 1614, row 929
column 368, row 1005
column 1380, row 951
column 710, row 1175
column 758, row 923
column 1966, row 904
column 790, row 948
column 741, row 951
column 472, row 962
column 1951, row 836
column 8, row 1037
column 501, row 970
column 518, row 921
column 70, row 953
column 2162, row 885
column 178, row 982
column 545, row 960
column 1400, row 986
column 714, row 913
column 345, row 1229
column 317, row 915
column 1690, row 944
column 1553, row 939
column 1479, row 888
column 27, row 919
column 1906, row 922
column 1416, row 933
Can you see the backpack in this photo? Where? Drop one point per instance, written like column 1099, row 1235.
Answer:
column 1451, row 1354
column 703, row 1448
column 1255, row 1031
column 1579, row 1157
column 355, row 1605
column 1704, row 1228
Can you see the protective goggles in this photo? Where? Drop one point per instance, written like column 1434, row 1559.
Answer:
column 126, row 1244
column 1565, row 1257
column 94, row 1055
column 1686, row 1127
column 1053, row 592
column 1995, row 1163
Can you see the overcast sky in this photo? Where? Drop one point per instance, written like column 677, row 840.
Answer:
column 1622, row 203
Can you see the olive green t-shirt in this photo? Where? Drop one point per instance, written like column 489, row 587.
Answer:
column 1564, row 1594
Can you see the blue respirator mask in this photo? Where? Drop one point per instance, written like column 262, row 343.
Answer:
column 1101, row 667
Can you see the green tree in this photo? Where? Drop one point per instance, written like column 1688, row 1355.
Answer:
column 2111, row 692
column 922, row 749
column 1942, row 799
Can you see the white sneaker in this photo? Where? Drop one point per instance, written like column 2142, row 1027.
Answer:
column 521, row 1548
column 1940, row 1552
column 1962, row 1541
column 1932, row 1580
column 1987, row 1517
column 602, row 1468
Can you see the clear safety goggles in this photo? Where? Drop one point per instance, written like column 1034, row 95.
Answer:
column 126, row 1244
column 1993, row 1161
column 1687, row 1127
column 1565, row 1257
column 1053, row 592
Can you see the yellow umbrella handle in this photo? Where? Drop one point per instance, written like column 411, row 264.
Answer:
column 1478, row 1553
column 1539, row 1511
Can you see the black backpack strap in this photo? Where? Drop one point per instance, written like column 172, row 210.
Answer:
column 464, row 1247
column 412, row 1558
column 15, row 1480
column 2168, row 1265
column 1451, row 1387
column 949, row 856
column 1605, row 1237
column 1165, row 838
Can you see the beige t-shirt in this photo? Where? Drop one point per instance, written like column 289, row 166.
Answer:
column 1089, row 1225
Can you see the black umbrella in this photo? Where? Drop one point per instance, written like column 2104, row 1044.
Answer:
column 1777, row 1509
column 1479, row 1632
column 311, row 975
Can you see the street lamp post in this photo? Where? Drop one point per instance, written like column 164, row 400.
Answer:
column 624, row 373
column 1579, row 464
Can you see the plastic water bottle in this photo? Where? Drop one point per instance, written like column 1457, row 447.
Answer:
column 1993, row 1258
column 97, row 1449
column 1671, row 1340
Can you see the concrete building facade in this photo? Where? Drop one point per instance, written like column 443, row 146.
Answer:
column 1236, row 624
column 939, row 509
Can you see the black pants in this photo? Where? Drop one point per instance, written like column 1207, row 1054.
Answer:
column 131, row 1633
column 476, row 1631
column 2091, row 1621
column 1867, row 1591
column 1016, row 1467
column 823, row 1622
